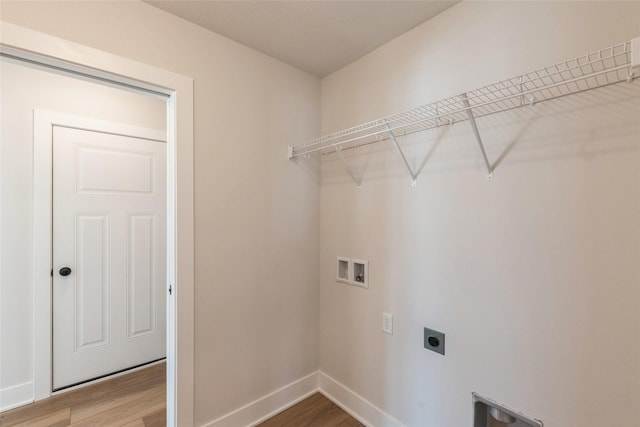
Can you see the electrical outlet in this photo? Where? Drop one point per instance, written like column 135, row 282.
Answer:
column 434, row 340
column 387, row 323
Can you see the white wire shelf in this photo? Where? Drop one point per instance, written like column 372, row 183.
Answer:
column 593, row 70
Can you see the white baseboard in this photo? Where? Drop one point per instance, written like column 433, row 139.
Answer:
column 354, row 404
column 267, row 406
column 18, row 395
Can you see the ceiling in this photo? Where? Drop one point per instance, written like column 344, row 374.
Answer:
column 316, row 36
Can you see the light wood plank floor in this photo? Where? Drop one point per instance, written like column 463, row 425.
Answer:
column 137, row 399
column 315, row 411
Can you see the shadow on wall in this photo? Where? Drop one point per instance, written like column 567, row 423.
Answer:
column 553, row 255
column 583, row 125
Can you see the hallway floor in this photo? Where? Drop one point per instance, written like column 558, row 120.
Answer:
column 137, row 399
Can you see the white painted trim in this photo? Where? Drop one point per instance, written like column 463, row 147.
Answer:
column 42, row 205
column 354, row 404
column 267, row 406
column 283, row 398
column 26, row 44
column 18, row 395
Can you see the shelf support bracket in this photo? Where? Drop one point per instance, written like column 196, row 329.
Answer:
column 634, row 67
column 474, row 126
column 414, row 178
column 346, row 165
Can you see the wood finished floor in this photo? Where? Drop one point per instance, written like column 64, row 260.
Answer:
column 137, row 399
column 314, row 411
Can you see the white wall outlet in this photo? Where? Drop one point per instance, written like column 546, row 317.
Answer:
column 387, row 323
column 352, row 271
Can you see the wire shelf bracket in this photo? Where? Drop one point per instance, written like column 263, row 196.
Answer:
column 616, row 64
column 346, row 165
column 474, row 126
column 414, row 178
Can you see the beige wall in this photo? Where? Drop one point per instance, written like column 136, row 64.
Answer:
column 256, row 213
column 534, row 277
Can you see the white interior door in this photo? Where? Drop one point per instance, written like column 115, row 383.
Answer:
column 109, row 222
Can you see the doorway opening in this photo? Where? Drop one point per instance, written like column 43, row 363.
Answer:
column 59, row 56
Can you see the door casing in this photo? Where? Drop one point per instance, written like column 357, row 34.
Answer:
column 62, row 56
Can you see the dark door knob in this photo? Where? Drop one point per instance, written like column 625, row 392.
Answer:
column 65, row 271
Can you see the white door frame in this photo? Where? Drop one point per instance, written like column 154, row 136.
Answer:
column 87, row 63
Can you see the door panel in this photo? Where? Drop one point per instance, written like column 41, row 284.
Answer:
column 92, row 282
column 95, row 167
column 109, row 222
column 141, row 269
